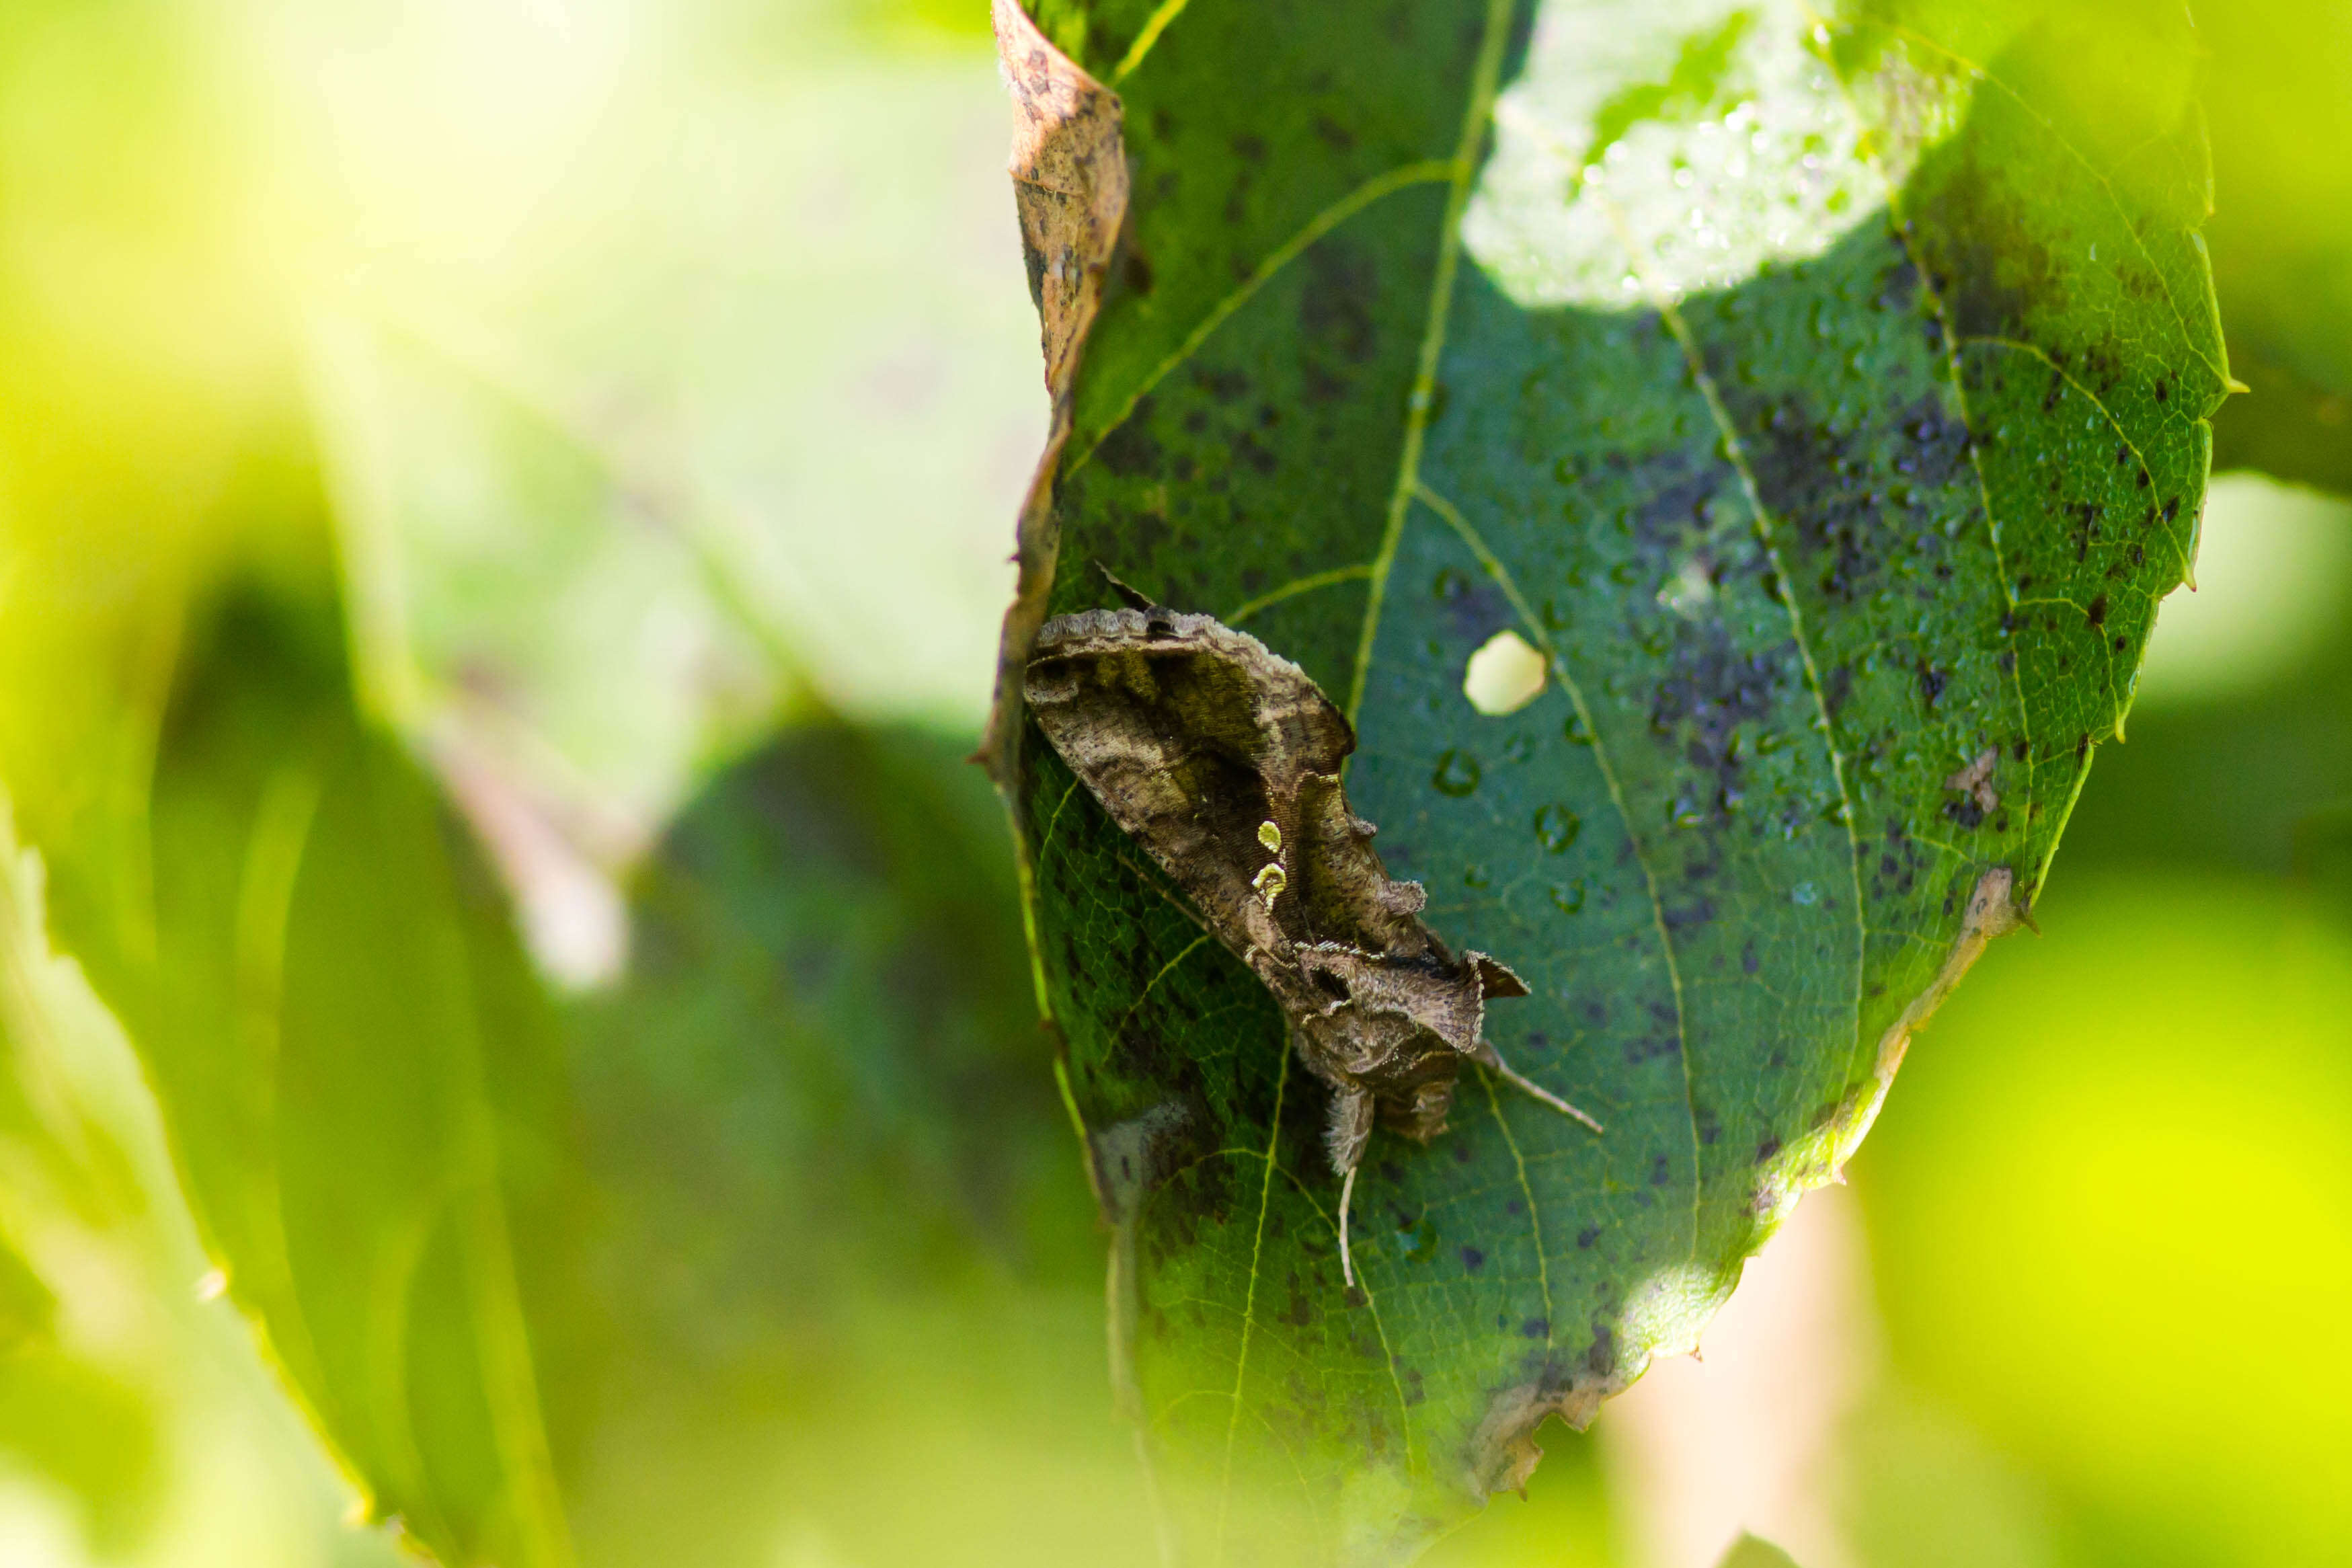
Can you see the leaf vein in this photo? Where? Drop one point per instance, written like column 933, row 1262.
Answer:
column 1535, row 1219
column 1306, row 585
column 1427, row 172
column 1153, row 26
column 1249, row 1296
column 2099, row 177
column 2017, row 345
column 1540, row 636
column 1485, row 78
column 1737, row 452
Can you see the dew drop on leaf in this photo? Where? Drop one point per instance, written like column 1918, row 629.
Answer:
column 1556, row 827
column 1457, row 773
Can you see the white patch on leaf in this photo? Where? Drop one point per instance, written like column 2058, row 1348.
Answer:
column 1503, row 676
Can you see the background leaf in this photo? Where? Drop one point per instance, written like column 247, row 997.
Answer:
column 848, row 1247
column 2281, row 242
column 1828, row 407
column 136, row 1386
column 360, row 1080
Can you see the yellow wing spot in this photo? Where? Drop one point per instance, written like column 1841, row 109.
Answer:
column 1270, row 883
column 1270, row 835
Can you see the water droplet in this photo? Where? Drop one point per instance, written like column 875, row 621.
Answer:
column 1556, row 827
column 1575, row 730
column 1475, row 876
column 1804, row 893
column 1450, row 584
column 1457, row 773
column 1568, row 896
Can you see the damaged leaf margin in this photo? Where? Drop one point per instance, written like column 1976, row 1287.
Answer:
column 1070, row 185
column 1503, row 1454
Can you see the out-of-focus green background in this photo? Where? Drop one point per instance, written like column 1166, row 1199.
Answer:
column 640, row 393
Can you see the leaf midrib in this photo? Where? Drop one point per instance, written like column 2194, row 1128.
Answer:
column 1485, row 81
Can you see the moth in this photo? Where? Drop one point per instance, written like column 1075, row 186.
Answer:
column 1223, row 760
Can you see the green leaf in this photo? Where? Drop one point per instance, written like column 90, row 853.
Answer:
column 821, row 1079
column 1749, row 1552
column 2323, row 853
column 1831, row 434
column 359, row 1076
column 847, row 1243
column 79, row 1426
column 27, row 1309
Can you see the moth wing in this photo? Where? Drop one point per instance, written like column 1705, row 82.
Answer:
column 1185, row 731
column 1344, row 891
column 1495, row 977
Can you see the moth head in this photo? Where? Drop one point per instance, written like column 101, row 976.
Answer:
column 1050, row 680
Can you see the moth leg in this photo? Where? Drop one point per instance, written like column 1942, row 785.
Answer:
column 1350, row 1130
column 1487, row 1053
column 1352, row 1126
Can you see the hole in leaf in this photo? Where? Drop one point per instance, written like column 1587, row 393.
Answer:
column 1503, row 676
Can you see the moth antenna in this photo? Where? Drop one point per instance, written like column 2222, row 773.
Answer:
column 1134, row 599
column 1346, row 1264
column 1487, row 1053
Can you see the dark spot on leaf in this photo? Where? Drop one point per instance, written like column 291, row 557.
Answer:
column 1131, row 451
column 1335, row 136
column 1334, row 312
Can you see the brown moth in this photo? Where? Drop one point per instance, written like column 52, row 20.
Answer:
column 1223, row 760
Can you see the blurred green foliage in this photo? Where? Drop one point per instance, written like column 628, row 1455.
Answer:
column 432, row 424
column 1753, row 1553
column 2281, row 120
